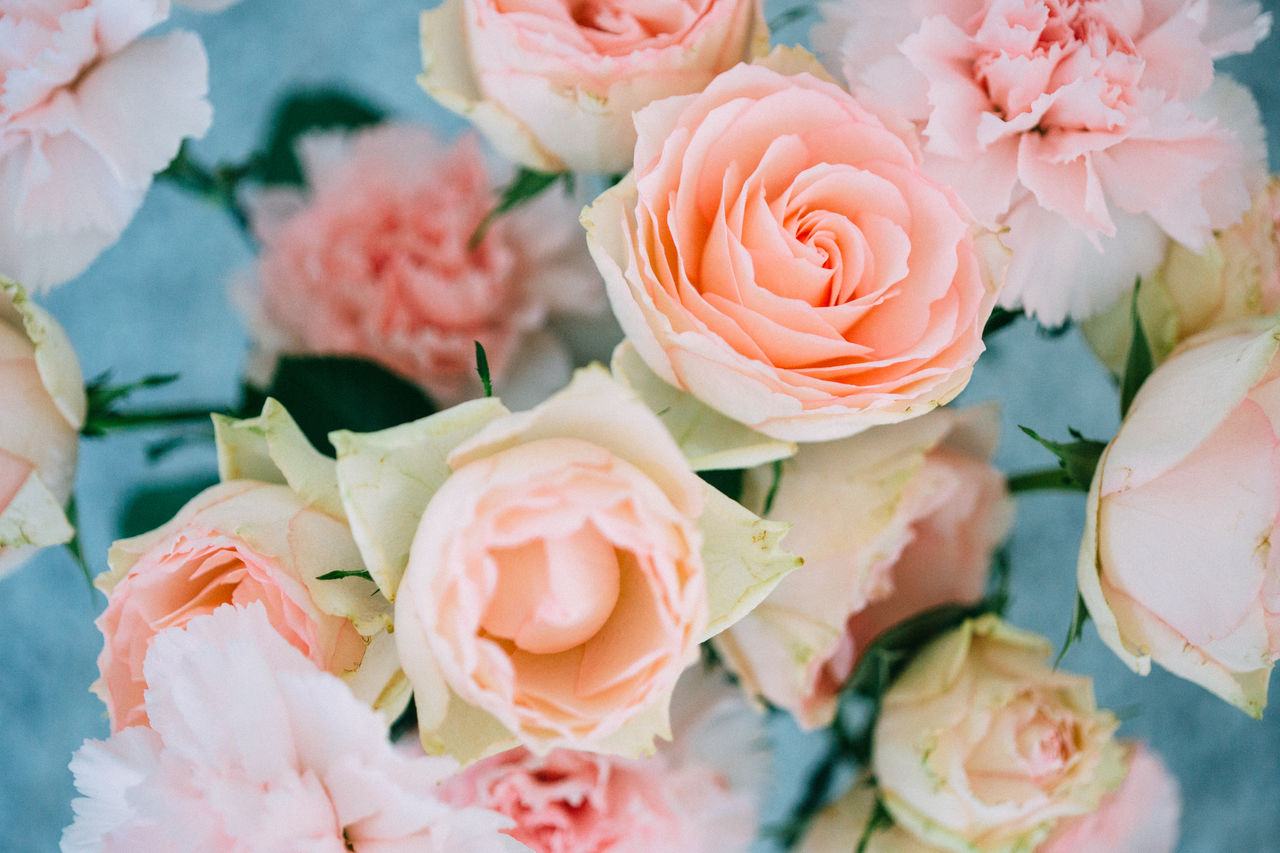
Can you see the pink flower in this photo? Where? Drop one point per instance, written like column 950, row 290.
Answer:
column 553, row 84
column 696, row 795
column 375, row 261
column 1141, row 816
column 1190, row 481
column 1089, row 129
column 890, row 523
column 778, row 253
column 88, row 114
column 234, row 543
column 42, row 407
column 253, row 749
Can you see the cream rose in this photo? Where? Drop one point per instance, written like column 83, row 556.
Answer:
column 890, row 522
column 981, row 744
column 1236, row 276
column 553, row 571
column 778, row 253
column 1176, row 564
column 42, row 407
column 267, row 534
column 553, row 84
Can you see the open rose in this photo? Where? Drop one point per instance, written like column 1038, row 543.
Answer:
column 981, row 744
column 553, row 571
column 88, row 114
column 375, row 260
column 890, row 522
column 253, row 749
column 1176, row 564
column 242, row 541
column 696, row 795
column 42, row 407
column 778, row 253
column 1091, row 130
column 553, row 84
column 1236, row 276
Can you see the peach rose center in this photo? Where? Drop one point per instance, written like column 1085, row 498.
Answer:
column 608, row 27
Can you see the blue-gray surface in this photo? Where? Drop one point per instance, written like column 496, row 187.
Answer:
column 157, row 302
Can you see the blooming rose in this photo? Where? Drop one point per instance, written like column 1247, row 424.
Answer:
column 981, row 744
column 1141, row 816
column 245, row 541
column 42, row 407
column 890, row 522
column 1236, row 276
column 376, row 261
column 553, row 84
column 564, row 564
column 1088, row 129
column 682, row 798
column 253, row 749
column 1176, row 564
column 88, row 113
column 778, row 253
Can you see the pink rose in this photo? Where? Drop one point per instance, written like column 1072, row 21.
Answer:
column 692, row 796
column 1189, row 481
column 1141, row 816
column 553, row 571
column 88, row 114
column 980, row 744
column 1087, row 129
column 253, row 749
column 778, row 253
column 553, row 84
column 375, row 261
column 42, row 407
column 237, row 542
column 891, row 522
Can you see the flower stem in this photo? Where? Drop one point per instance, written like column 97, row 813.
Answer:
column 115, row 421
column 217, row 184
column 1047, row 479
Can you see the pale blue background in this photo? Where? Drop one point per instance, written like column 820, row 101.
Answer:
column 157, row 302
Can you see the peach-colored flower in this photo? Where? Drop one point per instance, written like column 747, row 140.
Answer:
column 692, row 796
column 890, row 523
column 1088, row 129
column 88, row 114
column 375, row 261
column 1141, row 816
column 981, row 745
column 553, row 84
column 553, row 571
column 1236, row 276
column 237, row 542
column 42, row 407
column 778, row 253
column 253, row 749
column 1189, row 482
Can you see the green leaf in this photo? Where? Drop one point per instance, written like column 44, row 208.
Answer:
column 1000, row 317
column 482, row 368
column 1079, row 617
column 327, row 393
column 302, row 112
column 345, row 573
column 1140, row 363
column 727, row 482
column 152, row 506
column 524, row 187
column 890, row 652
column 877, row 821
column 1078, row 458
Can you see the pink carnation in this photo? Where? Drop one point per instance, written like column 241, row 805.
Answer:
column 1089, row 129
column 376, row 262
column 253, row 749
column 695, row 796
column 88, row 114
